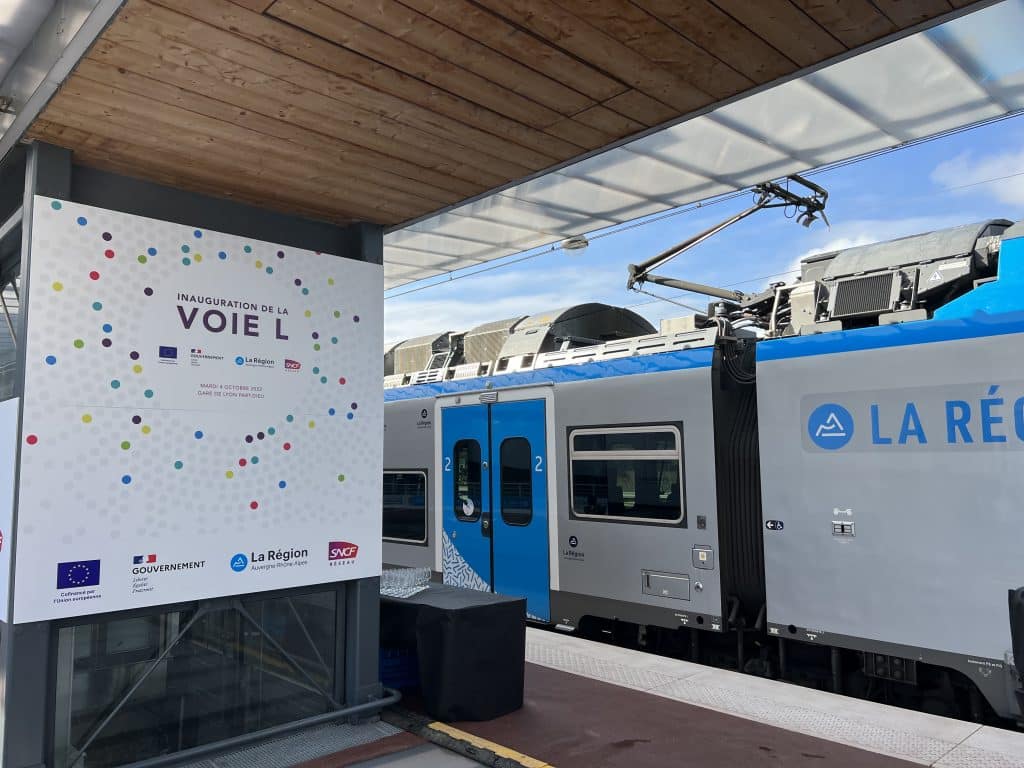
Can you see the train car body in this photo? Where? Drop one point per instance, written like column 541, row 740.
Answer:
column 858, row 496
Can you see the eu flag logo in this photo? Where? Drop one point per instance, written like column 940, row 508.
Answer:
column 80, row 573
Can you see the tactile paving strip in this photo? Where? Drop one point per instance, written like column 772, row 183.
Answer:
column 299, row 747
column 594, row 668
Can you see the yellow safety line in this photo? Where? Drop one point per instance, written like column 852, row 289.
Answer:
column 524, row 760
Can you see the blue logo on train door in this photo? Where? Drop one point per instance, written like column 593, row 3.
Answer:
column 830, row 426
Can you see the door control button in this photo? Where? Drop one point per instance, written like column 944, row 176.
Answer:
column 703, row 557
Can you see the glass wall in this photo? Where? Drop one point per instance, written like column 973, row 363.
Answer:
column 224, row 676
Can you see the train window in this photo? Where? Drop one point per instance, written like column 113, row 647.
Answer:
column 468, row 499
column 516, row 481
column 405, row 507
column 627, row 473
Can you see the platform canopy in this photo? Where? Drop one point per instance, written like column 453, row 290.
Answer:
column 473, row 129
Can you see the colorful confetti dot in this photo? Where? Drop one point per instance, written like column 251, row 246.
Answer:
column 323, row 379
column 242, row 462
column 197, row 257
column 137, row 369
column 178, row 464
column 106, row 342
column 133, row 355
column 330, row 281
column 125, row 445
column 51, row 360
column 270, row 270
column 108, row 253
column 354, row 406
column 58, row 286
column 316, row 369
column 337, row 313
column 198, row 233
column 287, row 446
column 186, row 261
column 282, row 484
column 126, row 479
column 254, row 505
column 148, row 291
column 280, row 254
column 311, row 424
column 316, row 347
column 94, row 275
column 254, row 460
column 82, row 221
column 248, row 438
column 298, row 281
column 334, row 339
column 185, row 249
column 308, row 313
column 305, row 291
column 106, row 236
column 142, row 258
column 229, row 474
column 86, row 418
column 146, row 429
column 199, row 434
column 271, row 431
column 260, row 435
column 136, row 419
column 107, row 327
column 148, row 393
column 247, row 249
column 315, row 335
column 341, row 478
column 151, row 251
column 259, row 264
column 355, row 318
column 55, row 204
column 289, row 418
column 341, row 380
column 350, row 416
column 79, row 343
column 31, row 439
column 330, row 411
column 222, row 255
column 97, row 306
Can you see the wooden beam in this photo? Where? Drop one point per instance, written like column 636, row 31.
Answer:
column 499, row 34
column 660, row 44
column 553, row 23
column 612, row 123
column 907, row 13
column 103, row 65
column 786, row 28
column 721, row 35
column 640, row 107
column 853, row 22
column 511, row 73
column 260, row 6
column 347, row 32
column 206, row 73
column 297, row 45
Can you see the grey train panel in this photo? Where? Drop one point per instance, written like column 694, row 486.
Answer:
column 610, row 557
column 888, row 537
column 409, row 445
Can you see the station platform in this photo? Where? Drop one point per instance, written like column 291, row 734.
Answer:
column 592, row 705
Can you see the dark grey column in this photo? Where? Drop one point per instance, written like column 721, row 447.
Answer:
column 362, row 641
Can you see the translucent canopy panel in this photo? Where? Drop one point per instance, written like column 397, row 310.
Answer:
column 966, row 71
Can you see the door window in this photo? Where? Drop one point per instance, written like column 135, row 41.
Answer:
column 516, row 481
column 468, row 499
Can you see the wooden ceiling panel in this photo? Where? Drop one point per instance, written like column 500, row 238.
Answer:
column 388, row 110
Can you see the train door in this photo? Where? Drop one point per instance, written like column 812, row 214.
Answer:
column 494, row 500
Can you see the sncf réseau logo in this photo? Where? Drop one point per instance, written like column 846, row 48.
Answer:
column 292, row 365
column 341, row 551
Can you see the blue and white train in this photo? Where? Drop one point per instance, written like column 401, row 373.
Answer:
column 821, row 482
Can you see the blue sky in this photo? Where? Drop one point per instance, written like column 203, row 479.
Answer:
column 953, row 180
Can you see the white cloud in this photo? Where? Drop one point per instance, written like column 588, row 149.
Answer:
column 966, row 169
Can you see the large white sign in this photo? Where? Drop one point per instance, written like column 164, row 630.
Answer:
column 202, row 416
